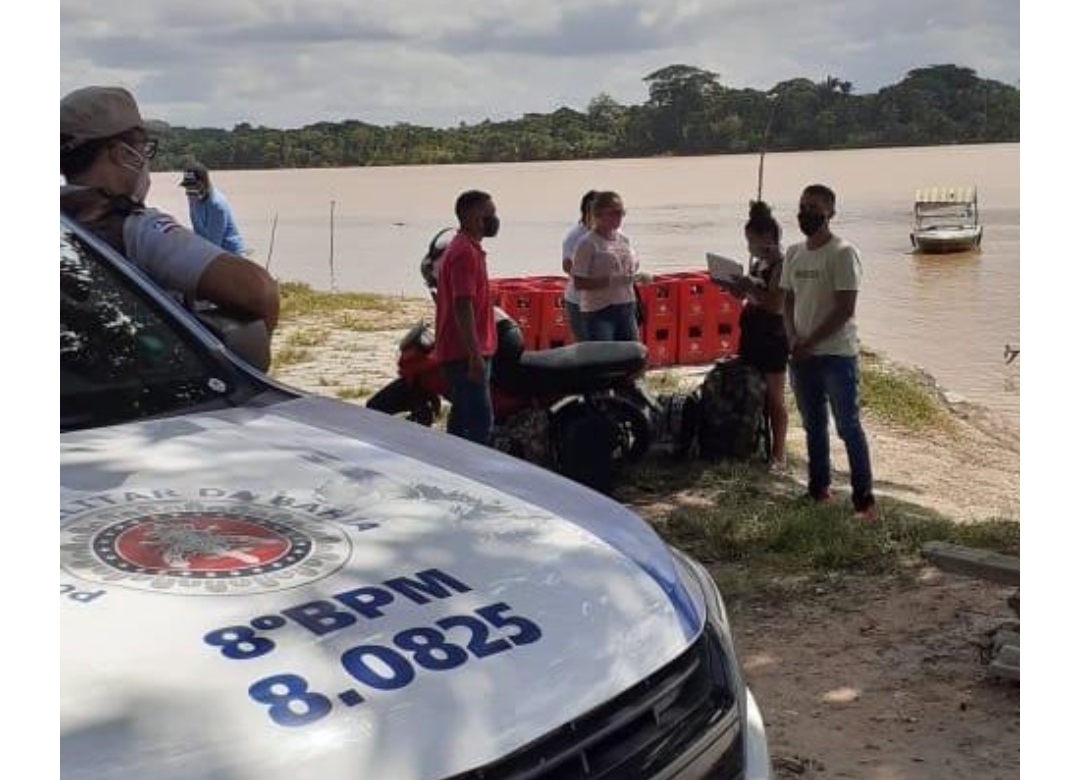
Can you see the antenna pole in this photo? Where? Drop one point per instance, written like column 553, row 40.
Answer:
column 763, row 146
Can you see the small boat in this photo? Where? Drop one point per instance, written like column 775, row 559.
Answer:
column 945, row 219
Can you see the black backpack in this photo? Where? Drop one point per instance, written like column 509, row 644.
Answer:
column 731, row 420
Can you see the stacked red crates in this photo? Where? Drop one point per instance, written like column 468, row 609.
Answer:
column 688, row 319
column 554, row 330
column 708, row 322
column 536, row 303
column 520, row 298
column 659, row 330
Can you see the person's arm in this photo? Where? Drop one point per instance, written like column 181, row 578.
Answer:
column 216, row 222
column 568, row 247
column 845, row 303
column 183, row 262
column 591, row 282
column 788, row 316
column 234, row 283
column 464, row 316
column 788, row 301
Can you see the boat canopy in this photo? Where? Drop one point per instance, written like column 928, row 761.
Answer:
column 946, row 195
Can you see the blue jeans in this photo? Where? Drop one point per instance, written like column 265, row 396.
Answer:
column 471, row 415
column 820, row 381
column 576, row 321
column 616, row 322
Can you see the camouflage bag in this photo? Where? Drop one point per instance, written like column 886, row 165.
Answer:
column 731, row 423
column 525, row 435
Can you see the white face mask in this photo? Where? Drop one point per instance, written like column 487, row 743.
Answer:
column 142, row 183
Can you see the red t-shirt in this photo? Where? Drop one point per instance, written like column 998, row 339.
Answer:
column 462, row 273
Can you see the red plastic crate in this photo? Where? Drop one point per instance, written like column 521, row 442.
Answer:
column 554, row 330
column 523, row 303
column 696, row 344
column 661, row 341
column 547, row 282
column 729, row 336
column 702, row 299
column 660, row 299
column 708, row 320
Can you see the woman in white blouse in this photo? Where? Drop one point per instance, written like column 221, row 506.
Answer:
column 604, row 267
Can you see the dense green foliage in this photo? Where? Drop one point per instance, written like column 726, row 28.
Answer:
column 688, row 111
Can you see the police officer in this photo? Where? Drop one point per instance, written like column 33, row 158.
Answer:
column 105, row 152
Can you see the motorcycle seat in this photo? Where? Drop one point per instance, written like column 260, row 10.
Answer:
column 578, row 368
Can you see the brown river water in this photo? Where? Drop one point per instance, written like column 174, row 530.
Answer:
column 365, row 229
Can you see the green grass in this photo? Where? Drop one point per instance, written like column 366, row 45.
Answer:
column 753, row 529
column 289, row 356
column 363, row 321
column 662, row 382
column 899, row 396
column 298, row 299
column 308, row 337
column 349, row 393
column 349, row 310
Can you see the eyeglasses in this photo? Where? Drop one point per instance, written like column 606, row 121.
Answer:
column 146, row 148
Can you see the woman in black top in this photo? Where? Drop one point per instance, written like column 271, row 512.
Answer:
column 763, row 336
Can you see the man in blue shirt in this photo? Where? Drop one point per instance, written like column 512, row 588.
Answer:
column 211, row 216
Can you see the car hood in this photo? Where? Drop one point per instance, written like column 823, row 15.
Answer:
column 281, row 592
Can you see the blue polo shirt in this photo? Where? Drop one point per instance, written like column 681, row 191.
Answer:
column 212, row 219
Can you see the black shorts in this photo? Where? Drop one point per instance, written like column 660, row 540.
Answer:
column 763, row 340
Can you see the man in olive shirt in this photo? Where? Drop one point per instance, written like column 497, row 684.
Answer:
column 821, row 277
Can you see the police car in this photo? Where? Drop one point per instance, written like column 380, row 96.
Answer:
column 259, row 584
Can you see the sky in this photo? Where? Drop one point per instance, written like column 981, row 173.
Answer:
column 288, row 63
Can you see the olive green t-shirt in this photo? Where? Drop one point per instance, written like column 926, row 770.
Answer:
column 813, row 275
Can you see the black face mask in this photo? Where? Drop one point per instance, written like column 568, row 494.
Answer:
column 490, row 225
column 810, row 222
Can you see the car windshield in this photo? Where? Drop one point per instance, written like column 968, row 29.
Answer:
column 121, row 357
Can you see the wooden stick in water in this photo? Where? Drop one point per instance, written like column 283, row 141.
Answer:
column 332, row 274
column 273, row 234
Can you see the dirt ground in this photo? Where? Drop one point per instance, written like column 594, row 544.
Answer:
column 880, row 679
column 861, row 677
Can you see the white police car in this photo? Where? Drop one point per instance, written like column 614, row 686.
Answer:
column 258, row 584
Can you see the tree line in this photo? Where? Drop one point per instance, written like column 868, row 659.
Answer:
column 688, row 112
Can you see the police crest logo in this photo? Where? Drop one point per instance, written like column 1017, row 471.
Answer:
column 192, row 547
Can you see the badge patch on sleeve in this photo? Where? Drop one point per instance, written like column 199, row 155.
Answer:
column 164, row 224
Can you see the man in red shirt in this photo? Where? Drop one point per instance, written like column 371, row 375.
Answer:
column 464, row 324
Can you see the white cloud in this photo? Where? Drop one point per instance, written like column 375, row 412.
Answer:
column 286, row 63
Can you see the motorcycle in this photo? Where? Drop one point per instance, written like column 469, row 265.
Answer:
column 579, row 409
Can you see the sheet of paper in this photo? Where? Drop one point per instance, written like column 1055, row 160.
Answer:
column 723, row 269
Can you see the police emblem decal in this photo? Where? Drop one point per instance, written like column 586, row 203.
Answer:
column 216, row 547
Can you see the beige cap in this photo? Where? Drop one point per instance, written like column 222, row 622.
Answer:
column 100, row 112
